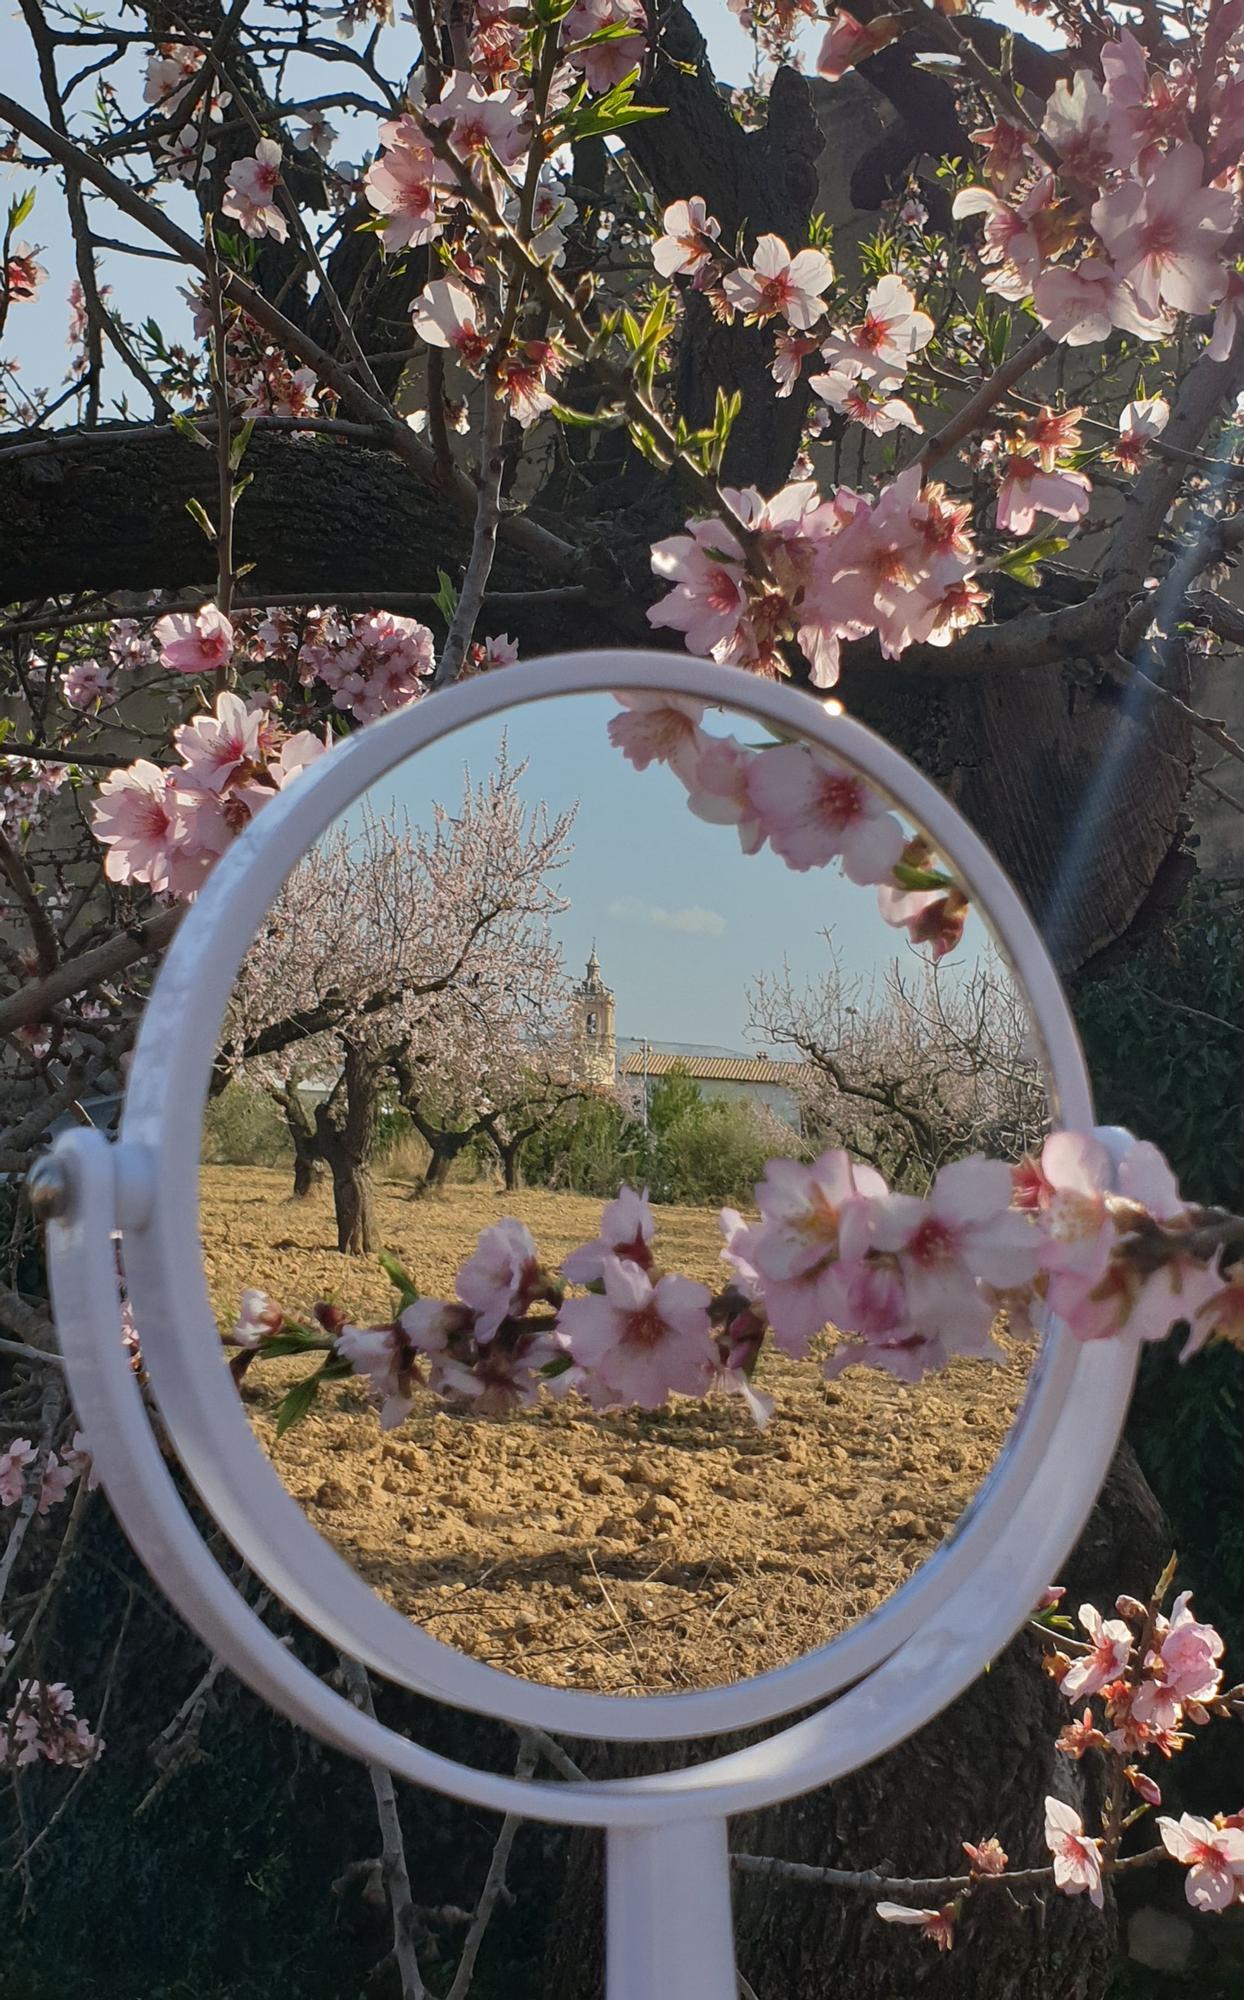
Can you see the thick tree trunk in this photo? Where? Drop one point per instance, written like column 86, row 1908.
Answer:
column 300, row 1124
column 345, row 1128
column 983, row 1767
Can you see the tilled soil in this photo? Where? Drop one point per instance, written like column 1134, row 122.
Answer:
column 630, row 1553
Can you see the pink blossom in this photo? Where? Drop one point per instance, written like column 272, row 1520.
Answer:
column 1166, row 234
column 1077, row 1859
column 719, row 790
column 849, row 390
column 625, row 1233
column 1079, row 304
column 606, row 63
column 252, row 185
column 1027, row 490
column 384, row 1356
column 23, row 274
column 659, row 729
column 813, row 811
column 1078, row 124
column 1226, row 317
column 1142, row 419
column 41, row 1724
column 213, row 746
column 446, row 316
column 153, row 832
column 259, row 1317
column 481, row 122
column 813, row 1232
column 524, row 376
column 1017, row 240
column 1187, row 1655
column 938, row 1926
column 315, row 134
column 644, row 1340
column 964, row 1231
column 775, row 282
column 87, row 682
column 501, row 1277
column 689, row 243
column 13, row 1463
column 888, row 337
column 790, row 351
column 1111, row 1643
column 380, row 666
column 850, row 42
column 195, row 642
column 1213, row 1856
column 402, row 186
column 57, row 1480
column 929, row 916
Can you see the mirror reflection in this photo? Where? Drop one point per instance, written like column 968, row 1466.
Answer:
column 591, row 1201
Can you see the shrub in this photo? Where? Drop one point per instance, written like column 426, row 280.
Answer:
column 244, row 1128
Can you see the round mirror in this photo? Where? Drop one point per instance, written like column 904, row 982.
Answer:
column 551, row 1088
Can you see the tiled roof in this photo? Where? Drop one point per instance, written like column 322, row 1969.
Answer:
column 712, row 1069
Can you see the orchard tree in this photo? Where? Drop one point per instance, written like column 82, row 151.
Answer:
column 564, row 353
column 404, row 952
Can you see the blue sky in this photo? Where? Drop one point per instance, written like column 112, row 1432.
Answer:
column 682, row 919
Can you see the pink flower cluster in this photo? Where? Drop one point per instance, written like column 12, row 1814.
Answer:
column 56, row 1481
column 373, row 663
column 819, row 571
column 809, row 809
column 165, row 826
column 41, row 1725
column 1138, row 222
column 251, row 199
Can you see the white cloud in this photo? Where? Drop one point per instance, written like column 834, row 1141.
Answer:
column 691, row 919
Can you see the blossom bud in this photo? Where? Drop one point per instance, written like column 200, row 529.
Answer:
column 1143, row 1786
column 330, row 1317
column 1051, row 1596
column 1057, row 1666
column 1130, row 1608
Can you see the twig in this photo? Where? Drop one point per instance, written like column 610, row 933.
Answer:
column 395, row 1871
column 483, row 539
column 19, row 1349
column 77, row 975
column 49, row 1416
column 494, row 1881
column 977, row 407
column 920, row 1888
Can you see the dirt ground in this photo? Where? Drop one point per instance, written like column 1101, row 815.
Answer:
column 631, row 1553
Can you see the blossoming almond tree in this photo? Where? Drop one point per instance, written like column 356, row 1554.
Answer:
column 565, row 352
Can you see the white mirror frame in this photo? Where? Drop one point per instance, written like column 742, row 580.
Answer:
column 899, row 1667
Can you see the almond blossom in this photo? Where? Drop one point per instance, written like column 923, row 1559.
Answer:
column 23, row 273
column 384, row 1355
column 625, row 1233
column 606, row 63
column 481, row 124
column 87, row 682
column 689, row 243
column 1027, row 490
column 1077, row 1858
column 719, row 790
column 379, row 663
column 195, row 642
column 813, row 1232
column 252, row 185
column 502, row 1277
column 447, row 316
column 1184, row 1666
column 1018, row 240
column 1110, row 1651
column 258, row 1318
column 153, row 835
column 938, row 1926
column 850, row 390
column 658, row 729
column 1165, row 235
column 850, row 41
column 1144, row 418
column 963, row 1232
column 1213, row 1856
column 884, row 343
column 402, row 185
column 645, row 1341
column 708, row 598
column 775, row 282
column 13, row 1463
column 814, row 812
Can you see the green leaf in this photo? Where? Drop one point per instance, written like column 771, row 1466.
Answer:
column 198, row 514
column 446, row 599
column 579, row 418
column 294, row 1339
column 615, row 32
column 606, row 114
column 240, row 486
column 920, row 878
column 237, row 450
column 399, row 1277
column 20, row 207
column 1021, row 564
column 186, row 427
column 296, row 1402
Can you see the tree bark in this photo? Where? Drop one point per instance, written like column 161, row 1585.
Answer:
column 300, row 1124
column 345, row 1126
column 982, row 1767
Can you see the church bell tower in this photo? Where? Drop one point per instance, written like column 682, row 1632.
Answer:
column 594, row 1033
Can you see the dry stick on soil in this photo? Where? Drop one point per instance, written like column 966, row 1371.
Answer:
column 395, row 1872
column 494, row 1881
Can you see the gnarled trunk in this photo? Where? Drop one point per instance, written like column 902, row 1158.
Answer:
column 345, row 1127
